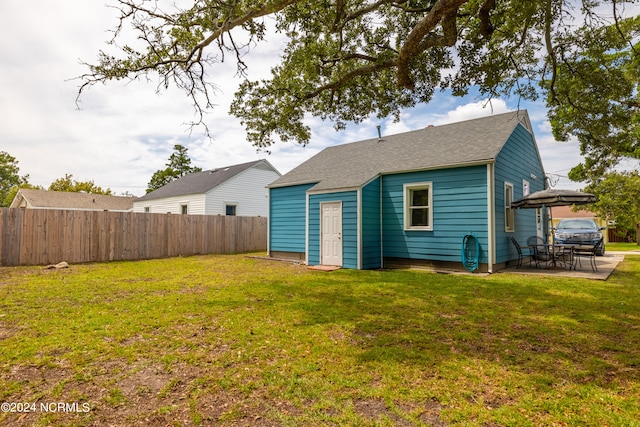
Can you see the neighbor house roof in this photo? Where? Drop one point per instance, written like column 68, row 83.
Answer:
column 42, row 199
column 202, row 182
column 354, row 164
column 561, row 212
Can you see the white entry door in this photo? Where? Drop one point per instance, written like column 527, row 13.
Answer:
column 331, row 233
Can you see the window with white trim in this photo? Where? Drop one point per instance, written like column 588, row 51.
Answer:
column 418, row 209
column 184, row 209
column 509, row 213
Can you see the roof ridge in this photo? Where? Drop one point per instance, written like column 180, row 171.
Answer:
column 435, row 127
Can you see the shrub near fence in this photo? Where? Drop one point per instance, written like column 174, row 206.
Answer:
column 39, row 236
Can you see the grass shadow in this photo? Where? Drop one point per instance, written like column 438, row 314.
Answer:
column 562, row 329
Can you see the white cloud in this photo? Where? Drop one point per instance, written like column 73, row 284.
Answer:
column 472, row 110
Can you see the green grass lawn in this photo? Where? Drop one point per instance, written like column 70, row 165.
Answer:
column 622, row 247
column 232, row 340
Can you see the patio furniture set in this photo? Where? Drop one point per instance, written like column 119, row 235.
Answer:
column 566, row 256
column 547, row 255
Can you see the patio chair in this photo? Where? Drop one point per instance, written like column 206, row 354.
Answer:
column 539, row 251
column 588, row 252
column 564, row 256
column 519, row 250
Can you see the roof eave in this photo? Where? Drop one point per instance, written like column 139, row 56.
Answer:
column 143, row 199
column 321, row 190
column 291, row 184
column 443, row 166
column 311, row 191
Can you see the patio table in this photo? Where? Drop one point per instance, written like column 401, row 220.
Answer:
column 556, row 253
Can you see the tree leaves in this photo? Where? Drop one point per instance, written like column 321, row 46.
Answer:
column 346, row 60
column 69, row 184
column 595, row 96
column 619, row 198
column 10, row 179
column 179, row 164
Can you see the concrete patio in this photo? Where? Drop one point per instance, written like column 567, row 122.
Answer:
column 606, row 265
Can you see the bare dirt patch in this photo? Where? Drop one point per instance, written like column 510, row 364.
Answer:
column 377, row 410
column 123, row 394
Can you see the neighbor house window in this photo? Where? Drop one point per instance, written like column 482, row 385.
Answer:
column 230, row 210
column 147, row 209
column 418, row 210
column 183, row 209
column 509, row 215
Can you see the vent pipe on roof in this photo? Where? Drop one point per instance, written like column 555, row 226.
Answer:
column 379, row 134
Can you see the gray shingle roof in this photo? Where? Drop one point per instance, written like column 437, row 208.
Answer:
column 198, row 182
column 354, row 164
column 69, row 200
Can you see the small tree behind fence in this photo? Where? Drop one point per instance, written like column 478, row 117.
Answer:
column 39, row 236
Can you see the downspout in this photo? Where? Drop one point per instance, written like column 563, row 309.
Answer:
column 269, row 222
column 359, row 228
column 491, row 213
column 381, row 227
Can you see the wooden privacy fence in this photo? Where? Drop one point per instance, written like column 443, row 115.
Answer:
column 39, row 236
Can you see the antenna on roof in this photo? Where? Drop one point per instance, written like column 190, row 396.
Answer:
column 379, row 134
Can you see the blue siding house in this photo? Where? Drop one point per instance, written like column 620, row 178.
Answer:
column 409, row 199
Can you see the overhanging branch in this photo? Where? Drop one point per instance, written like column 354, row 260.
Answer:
column 423, row 36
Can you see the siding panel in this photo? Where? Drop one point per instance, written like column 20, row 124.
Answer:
column 195, row 205
column 247, row 191
column 244, row 191
column 518, row 160
column 459, row 207
column 371, row 233
column 287, row 214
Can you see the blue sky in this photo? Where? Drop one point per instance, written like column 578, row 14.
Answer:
column 125, row 131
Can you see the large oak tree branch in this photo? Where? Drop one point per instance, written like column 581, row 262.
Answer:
column 422, row 36
column 362, row 71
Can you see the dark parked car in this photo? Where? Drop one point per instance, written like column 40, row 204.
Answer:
column 579, row 231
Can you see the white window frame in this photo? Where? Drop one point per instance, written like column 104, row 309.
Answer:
column 408, row 188
column 509, row 212
column 184, row 208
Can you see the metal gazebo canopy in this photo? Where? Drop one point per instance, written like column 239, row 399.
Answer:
column 552, row 197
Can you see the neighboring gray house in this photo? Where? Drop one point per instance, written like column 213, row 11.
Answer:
column 67, row 200
column 232, row 190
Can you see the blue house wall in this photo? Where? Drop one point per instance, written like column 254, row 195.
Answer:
column 349, row 201
column 517, row 162
column 370, row 223
column 459, row 207
column 287, row 216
